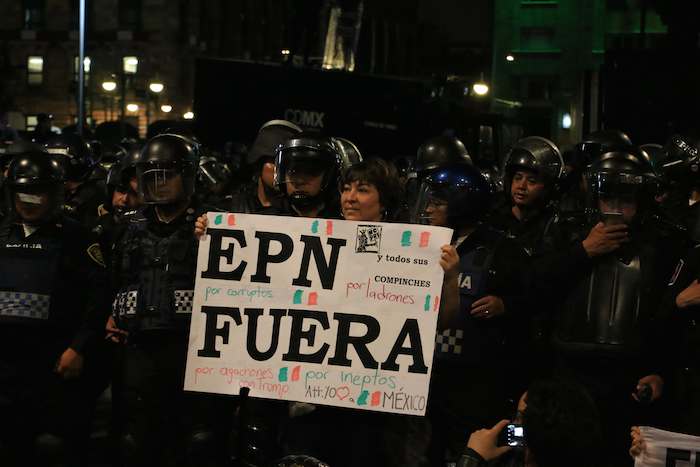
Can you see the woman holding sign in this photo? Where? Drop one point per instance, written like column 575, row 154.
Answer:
column 370, row 191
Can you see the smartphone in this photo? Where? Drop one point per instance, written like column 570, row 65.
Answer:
column 512, row 435
column 612, row 218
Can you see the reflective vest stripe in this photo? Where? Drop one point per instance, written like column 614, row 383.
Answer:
column 24, row 305
column 183, row 301
column 125, row 303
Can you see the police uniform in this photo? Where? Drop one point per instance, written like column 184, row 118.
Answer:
column 684, row 344
column 52, row 297
column 154, row 267
column 477, row 367
column 608, row 331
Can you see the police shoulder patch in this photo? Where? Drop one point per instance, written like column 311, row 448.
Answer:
column 95, row 254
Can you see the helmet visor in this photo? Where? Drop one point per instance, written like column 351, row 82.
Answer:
column 161, row 185
column 431, row 206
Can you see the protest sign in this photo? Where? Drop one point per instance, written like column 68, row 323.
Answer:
column 668, row 449
column 322, row 311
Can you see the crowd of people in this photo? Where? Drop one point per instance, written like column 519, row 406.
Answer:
column 569, row 303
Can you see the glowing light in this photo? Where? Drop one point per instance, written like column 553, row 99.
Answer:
column 109, row 86
column 566, row 121
column 480, row 89
column 188, row 115
column 166, row 108
column 132, row 107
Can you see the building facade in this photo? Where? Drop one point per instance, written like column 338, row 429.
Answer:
column 548, row 53
column 134, row 43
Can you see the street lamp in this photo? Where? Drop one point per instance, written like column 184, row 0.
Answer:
column 188, row 115
column 109, row 86
column 165, row 108
column 132, row 107
column 130, row 66
column 156, row 87
column 480, row 88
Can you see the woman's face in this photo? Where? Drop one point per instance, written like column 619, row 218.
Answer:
column 436, row 212
column 360, row 202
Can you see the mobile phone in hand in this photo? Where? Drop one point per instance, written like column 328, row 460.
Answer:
column 512, row 435
column 612, row 218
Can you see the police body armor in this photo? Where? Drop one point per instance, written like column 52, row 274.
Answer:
column 36, row 293
column 159, row 273
column 468, row 340
column 28, row 273
column 605, row 311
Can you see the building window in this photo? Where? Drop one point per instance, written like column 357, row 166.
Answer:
column 539, row 38
column 76, row 70
column 130, row 15
column 30, row 122
column 541, row 88
column 35, row 70
column 130, row 64
column 34, row 13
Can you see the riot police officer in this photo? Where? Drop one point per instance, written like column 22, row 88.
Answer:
column 262, row 197
column 533, row 171
column 154, row 274
column 607, row 333
column 83, row 195
column 122, row 204
column 476, row 366
column 52, row 313
column 307, row 170
column 680, row 169
column 682, row 307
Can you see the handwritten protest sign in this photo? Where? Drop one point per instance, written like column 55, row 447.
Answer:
column 668, row 449
column 323, row 311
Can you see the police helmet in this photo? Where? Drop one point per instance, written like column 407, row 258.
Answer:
column 162, row 159
column 312, row 155
column 73, row 152
column 681, row 162
column 213, row 175
column 349, row 153
column 35, row 182
column 460, row 187
column 620, row 175
column 270, row 135
column 600, row 142
column 440, row 150
column 538, row 155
